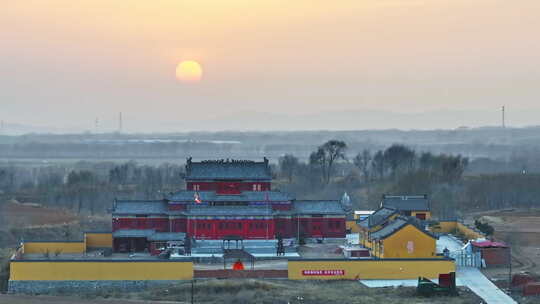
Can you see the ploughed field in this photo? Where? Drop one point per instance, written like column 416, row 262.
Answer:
column 521, row 230
column 27, row 214
column 255, row 291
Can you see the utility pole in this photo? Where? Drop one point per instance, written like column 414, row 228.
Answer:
column 509, row 269
column 503, row 118
column 120, row 122
column 2, row 127
column 96, row 125
column 192, row 290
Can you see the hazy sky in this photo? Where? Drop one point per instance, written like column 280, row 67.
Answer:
column 66, row 62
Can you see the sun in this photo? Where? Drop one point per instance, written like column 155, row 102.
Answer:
column 189, row 71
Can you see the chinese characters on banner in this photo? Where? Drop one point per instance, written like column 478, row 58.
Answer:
column 323, row 272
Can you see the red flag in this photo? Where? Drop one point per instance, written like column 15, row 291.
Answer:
column 197, row 198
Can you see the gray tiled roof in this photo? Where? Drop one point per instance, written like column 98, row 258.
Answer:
column 167, row 236
column 140, row 207
column 246, row 196
column 244, row 170
column 229, row 210
column 406, row 203
column 319, row 207
column 395, row 226
column 150, row 234
column 377, row 218
column 133, row 233
column 389, row 229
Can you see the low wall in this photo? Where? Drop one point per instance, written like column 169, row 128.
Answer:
column 444, row 227
column 339, row 269
column 54, row 246
column 469, row 233
column 81, row 287
column 452, row 226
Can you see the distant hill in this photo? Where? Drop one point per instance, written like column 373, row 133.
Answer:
column 334, row 120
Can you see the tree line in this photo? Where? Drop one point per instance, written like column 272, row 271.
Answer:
column 330, row 170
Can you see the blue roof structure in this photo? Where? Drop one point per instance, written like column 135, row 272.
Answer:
column 167, row 236
column 319, row 207
column 140, row 207
column 228, row 170
column 229, row 210
column 246, row 196
column 150, row 234
column 133, row 233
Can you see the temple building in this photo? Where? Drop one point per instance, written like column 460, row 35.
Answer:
column 224, row 198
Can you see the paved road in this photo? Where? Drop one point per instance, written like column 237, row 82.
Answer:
column 484, row 288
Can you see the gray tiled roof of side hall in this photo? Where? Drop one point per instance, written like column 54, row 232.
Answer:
column 140, row 207
column 319, row 207
column 229, row 170
column 406, row 203
column 377, row 218
column 389, row 229
column 396, row 225
column 251, row 196
column 229, row 210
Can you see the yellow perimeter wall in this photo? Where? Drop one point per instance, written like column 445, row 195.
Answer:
column 53, row 247
column 91, row 240
column 100, row 270
column 451, row 226
column 353, row 226
column 98, row 240
column 371, row 269
column 468, row 232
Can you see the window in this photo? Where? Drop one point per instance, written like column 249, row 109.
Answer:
column 196, row 187
column 254, row 187
column 259, row 187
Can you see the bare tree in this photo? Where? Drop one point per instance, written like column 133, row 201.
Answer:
column 378, row 164
column 399, row 156
column 288, row 165
column 363, row 162
column 326, row 156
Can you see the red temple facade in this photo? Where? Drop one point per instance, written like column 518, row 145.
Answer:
column 224, row 198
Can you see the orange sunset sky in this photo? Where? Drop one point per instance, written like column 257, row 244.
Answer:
column 68, row 62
